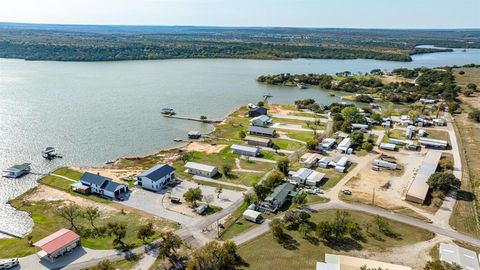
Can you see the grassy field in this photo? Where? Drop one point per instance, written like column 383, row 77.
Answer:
column 332, row 177
column 472, row 75
column 65, row 185
column 47, row 221
column 466, row 211
column 438, row 135
column 287, row 144
column 394, row 134
column 298, row 135
column 225, row 157
column 122, row 264
column 265, row 252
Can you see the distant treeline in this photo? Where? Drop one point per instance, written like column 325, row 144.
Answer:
column 430, row 83
column 111, row 43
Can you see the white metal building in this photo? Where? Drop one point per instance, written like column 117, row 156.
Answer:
column 201, row 169
column 466, row 258
column 419, row 188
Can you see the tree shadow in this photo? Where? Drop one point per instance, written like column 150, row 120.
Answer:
column 288, row 242
column 343, row 244
column 312, row 240
column 464, row 195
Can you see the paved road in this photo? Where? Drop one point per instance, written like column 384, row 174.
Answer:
column 259, row 230
column 300, row 118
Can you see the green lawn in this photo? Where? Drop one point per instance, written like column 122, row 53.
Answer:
column 304, row 136
column 438, row 135
column 47, row 221
column 122, row 264
column 65, row 185
column 287, row 144
column 265, row 252
column 332, row 177
column 69, row 173
column 394, row 134
column 225, row 157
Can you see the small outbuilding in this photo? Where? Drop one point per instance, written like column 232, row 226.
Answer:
column 245, row 150
column 256, row 141
column 253, row 216
column 57, row 244
column 201, row 169
column 262, row 131
column 388, row 146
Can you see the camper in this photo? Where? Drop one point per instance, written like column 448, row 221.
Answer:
column 8, row 263
column 388, row 146
column 384, row 164
column 253, row 216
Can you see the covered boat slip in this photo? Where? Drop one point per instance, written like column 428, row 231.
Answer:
column 418, row 189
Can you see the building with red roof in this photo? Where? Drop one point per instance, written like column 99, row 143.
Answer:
column 57, row 244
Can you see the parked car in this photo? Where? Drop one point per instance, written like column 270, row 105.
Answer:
column 120, row 197
column 175, row 200
column 8, row 263
column 346, row 192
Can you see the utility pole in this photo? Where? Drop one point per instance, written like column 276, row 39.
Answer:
column 373, row 197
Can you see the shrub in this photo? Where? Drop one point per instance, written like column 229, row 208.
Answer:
column 475, row 116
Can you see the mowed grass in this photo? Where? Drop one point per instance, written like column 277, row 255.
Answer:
column 225, row 157
column 332, row 177
column 265, row 252
column 287, row 144
column 65, row 185
column 236, row 224
column 47, row 221
column 298, row 135
column 394, row 134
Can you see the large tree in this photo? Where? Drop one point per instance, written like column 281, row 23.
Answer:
column 118, row 231
column 70, row 213
column 274, row 179
column 145, row 231
column 216, row 256
column 283, row 165
column 91, row 214
column 168, row 248
column 193, row 195
column 443, row 181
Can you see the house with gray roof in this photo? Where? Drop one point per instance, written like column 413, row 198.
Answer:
column 245, row 150
column 257, row 111
column 261, row 131
column 277, row 198
column 102, row 186
column 201, row 169
column 156, row 177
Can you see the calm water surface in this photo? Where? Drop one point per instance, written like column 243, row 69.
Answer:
column 93, row 112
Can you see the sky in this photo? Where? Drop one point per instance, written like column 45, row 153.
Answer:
column 295, row 13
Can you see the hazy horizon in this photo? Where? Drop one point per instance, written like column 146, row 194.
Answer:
column 367, row 14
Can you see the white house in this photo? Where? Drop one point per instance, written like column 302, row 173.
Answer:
column 344, row 145
column 341, row 163
column 310, row 159
column 306, row 176
column 245, row 150
column 261, row 121
column 156, row 177
column 410, row 132
column 324, row 162
column 201, row 169
column 102, row 186
column 327, row 144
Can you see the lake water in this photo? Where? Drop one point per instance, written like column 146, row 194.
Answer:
column 93, row 112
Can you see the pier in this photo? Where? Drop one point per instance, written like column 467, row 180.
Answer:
column 12, row 234
column 206, row 121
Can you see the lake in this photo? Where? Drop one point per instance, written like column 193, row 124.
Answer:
column 96, row 111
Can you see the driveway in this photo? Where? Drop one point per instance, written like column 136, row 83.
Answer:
column 152, row 202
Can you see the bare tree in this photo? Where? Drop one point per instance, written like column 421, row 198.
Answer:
column 70, row 213
column 91, row 214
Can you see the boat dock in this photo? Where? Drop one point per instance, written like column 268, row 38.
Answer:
column 206, row 121
column 12, row 234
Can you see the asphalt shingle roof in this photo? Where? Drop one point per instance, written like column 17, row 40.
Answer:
column 157, row 172
column 91, row 178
